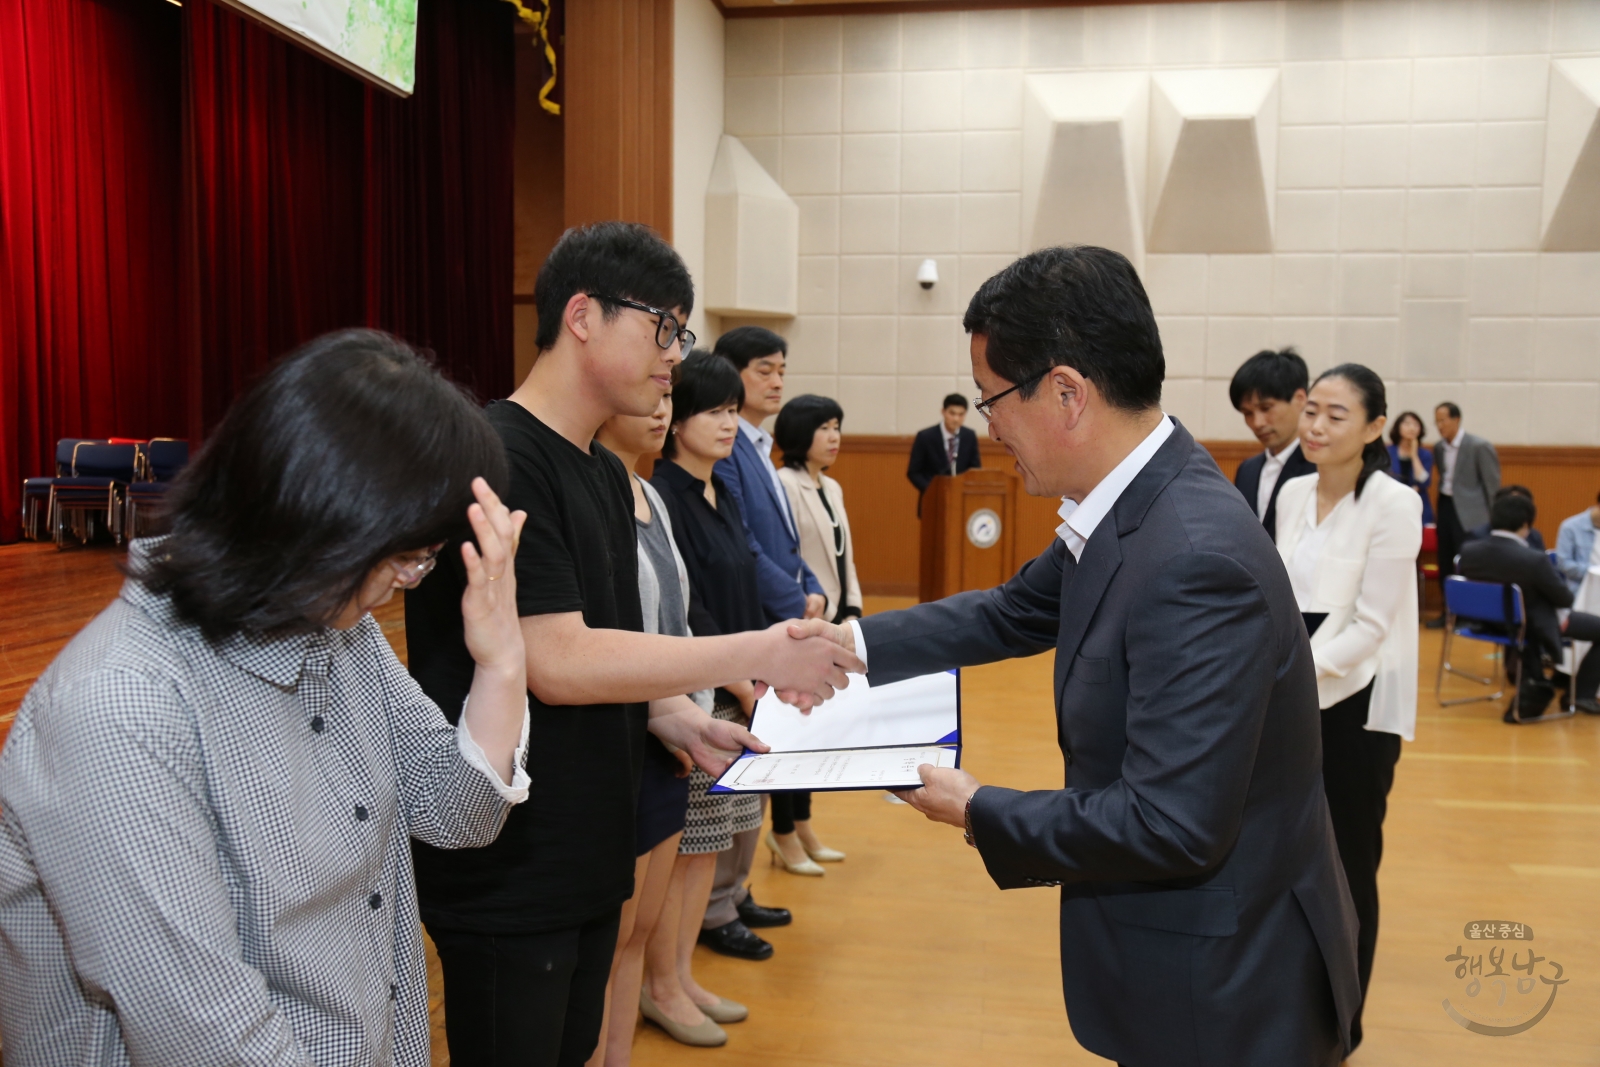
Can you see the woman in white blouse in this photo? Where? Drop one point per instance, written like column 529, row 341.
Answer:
column 1349, row 536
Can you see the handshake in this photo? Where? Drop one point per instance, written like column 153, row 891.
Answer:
column 807, row 660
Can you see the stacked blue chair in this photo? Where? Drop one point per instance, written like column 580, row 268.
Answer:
column 163, row 459
column 99, row 475
column 36, row 491
column 1494, row 614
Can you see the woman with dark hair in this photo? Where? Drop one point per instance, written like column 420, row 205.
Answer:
column 723, row 599
column 807, row 435
column 1410, row 463
column 208, row 797
column 1349, row 536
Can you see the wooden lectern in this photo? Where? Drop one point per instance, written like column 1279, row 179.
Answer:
column 968, row 532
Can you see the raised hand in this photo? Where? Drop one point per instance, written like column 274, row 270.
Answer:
column 489, row 605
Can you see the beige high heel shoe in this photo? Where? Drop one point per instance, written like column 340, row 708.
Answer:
column 705, row 1034
column 823, row 854
column 805, row 867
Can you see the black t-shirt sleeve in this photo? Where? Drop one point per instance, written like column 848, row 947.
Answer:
column 547, row 575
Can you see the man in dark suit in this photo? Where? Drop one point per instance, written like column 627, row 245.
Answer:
column 1535, row 539
column 1205, row 917
column 1505, row 556
column 1269, row 390
column 948, row 448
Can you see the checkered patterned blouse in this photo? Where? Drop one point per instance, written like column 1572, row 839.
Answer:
column 203, row 848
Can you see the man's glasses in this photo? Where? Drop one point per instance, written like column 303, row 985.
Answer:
column 412, row 569
column 987, row 405
column 667, row 328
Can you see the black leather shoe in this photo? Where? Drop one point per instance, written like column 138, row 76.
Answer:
column 737, row 940
column 1588, row 707
column 757, row 917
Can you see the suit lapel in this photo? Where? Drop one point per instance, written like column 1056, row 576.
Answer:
column 763, row 471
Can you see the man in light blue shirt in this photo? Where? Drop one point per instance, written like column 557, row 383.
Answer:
column 1575, row 545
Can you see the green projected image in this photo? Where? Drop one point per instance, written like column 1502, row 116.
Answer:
column 375, row 38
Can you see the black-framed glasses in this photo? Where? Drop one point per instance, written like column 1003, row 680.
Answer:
column 667, row 328
column 987, row 405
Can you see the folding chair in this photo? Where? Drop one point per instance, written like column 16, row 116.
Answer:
column 36, row 491
column 99, row 472
column 164, row 458
column 1425, row 571
column 1494, row 614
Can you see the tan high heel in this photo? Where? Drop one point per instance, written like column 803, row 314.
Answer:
column 805, row 867
column 823, row 854
column 705, row 1034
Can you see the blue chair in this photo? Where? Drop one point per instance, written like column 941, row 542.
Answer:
column 1494, row 614
column 99, row 474
column 36, row 491
column 163, row 458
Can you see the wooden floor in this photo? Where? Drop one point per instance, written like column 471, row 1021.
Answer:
column 907, row 955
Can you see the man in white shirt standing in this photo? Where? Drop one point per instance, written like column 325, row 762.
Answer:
column 1469, row 477
column 1269, row 390
column 1201, row 895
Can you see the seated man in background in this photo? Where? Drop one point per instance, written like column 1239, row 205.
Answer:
column 948, row 448
column 1484, row 529
column 1505, row 556
column 1575, row 545
column 1269, row 390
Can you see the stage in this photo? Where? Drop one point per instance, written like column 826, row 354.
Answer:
column 906, row 954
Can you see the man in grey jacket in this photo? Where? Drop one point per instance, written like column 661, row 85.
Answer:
column 1469, row 477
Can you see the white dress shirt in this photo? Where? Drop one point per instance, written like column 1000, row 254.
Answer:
column 763, row 442
column 1452, row 449
column 1079, row 520
column 1270, row 471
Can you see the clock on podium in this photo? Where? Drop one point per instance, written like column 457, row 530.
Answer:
column 968, row 532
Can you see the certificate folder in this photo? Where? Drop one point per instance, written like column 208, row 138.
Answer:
column 866, row 737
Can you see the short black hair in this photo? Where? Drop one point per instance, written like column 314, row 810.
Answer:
column 1269, row 375
column 1422, row 432
column 797, row 425
column 742, row 344
column 623, row 259
column 954, row 400
column 1507, row 490
column 705, row 381
column 1512, row 511
column 351, row 449
column 1448, row 405
column 1081, row 307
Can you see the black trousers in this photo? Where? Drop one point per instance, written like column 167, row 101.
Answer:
column 787, row 808
column 1357, row 772
column 526, row 1000
column 1451, row 534
column 1581, row 626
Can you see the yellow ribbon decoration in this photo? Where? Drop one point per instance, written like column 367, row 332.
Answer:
column 540, row 21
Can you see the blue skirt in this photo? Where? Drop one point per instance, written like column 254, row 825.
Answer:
column 663, row 798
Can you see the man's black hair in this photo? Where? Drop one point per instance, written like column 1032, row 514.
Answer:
column 797, row 425
column 1269, row 375
column 1512, row 512
column 705, row 381
column 954, row 400
column 620, row 259
column 1455, row 412
column 1519, row 490
column 742, row 344
column 1081, row 307
column 352, row 449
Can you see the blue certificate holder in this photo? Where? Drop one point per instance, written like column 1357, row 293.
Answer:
column 866, row 737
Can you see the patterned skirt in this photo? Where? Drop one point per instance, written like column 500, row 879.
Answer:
column 715, row 817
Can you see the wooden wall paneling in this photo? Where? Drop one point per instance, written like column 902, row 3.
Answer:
column 538, row 196
column 618, row 140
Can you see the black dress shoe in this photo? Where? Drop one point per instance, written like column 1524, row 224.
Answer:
column 737, row 940
column 756, row 917
column 1590, row 706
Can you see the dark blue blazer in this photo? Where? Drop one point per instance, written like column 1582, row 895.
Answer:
column 1205, row 918
column 782, row 576
column 928, row 459
column 1248, row 480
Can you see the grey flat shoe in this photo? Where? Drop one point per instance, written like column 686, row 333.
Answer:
column 726, row 1011
column 705, row 1035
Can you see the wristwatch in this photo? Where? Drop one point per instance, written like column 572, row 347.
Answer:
column 967, row 819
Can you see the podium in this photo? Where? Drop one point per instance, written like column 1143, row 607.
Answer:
column 969, row 524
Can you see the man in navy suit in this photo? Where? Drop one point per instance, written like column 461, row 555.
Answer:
column 788, row 590
column 948, row 448
column 1269, row 390
column 1205, row 918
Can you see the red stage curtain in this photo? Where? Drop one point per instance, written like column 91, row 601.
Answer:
column 89, row 205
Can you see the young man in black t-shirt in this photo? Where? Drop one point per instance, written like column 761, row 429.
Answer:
column 526, row 927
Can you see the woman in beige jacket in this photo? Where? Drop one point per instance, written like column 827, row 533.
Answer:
column 807, row 434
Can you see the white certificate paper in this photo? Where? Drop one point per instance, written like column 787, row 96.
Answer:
column 848, row 768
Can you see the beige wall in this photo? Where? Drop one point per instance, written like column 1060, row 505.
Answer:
column 697, row 76
column 1409, row 172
